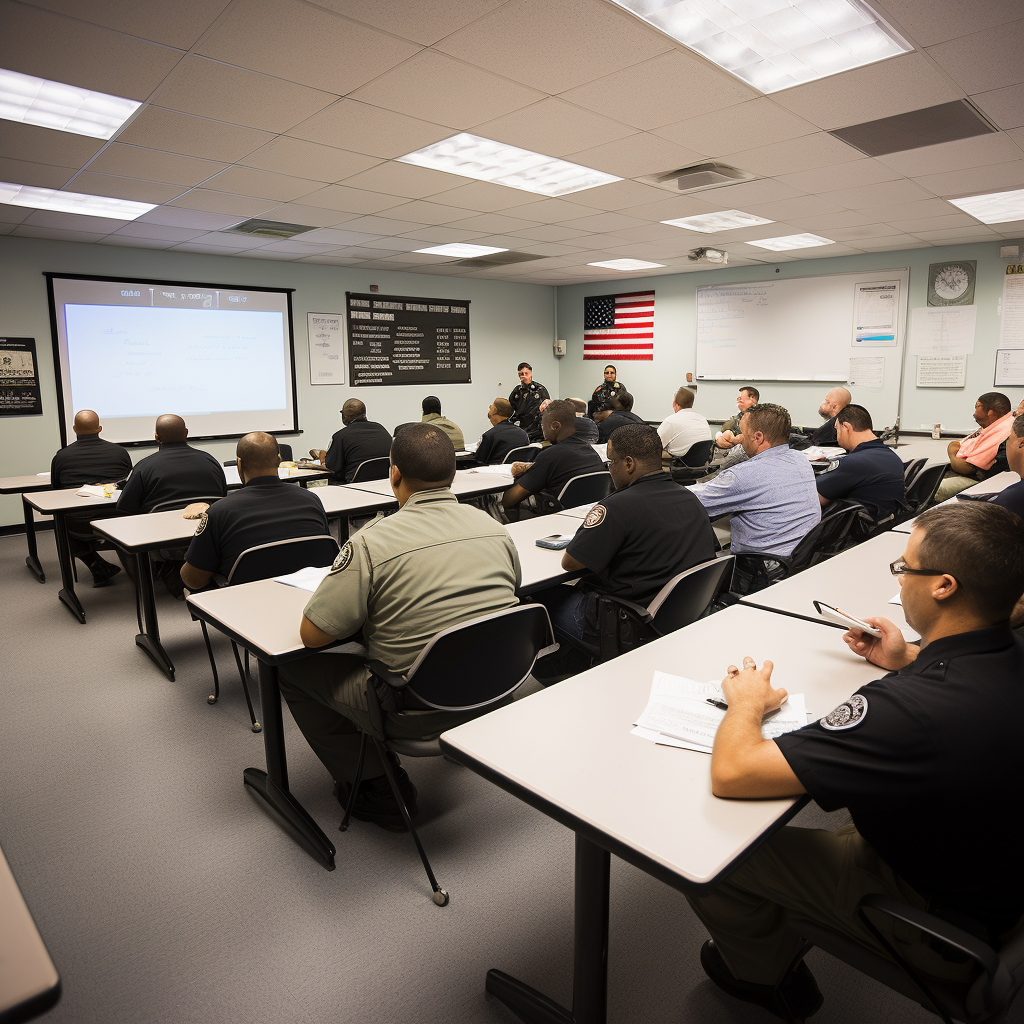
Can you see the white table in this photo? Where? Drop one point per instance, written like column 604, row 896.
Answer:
column 568, row 752
column 467, row 484
column 993, row 485
column 300, row 475
column 23, row 485
column 542, row 567
column 345, row 500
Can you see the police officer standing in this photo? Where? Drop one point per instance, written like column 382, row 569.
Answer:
column 603, row 392
column 525, row 401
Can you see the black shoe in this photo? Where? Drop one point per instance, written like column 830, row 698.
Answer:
column 376, row 803
column 102, row 571
column 175, row 586
column 794, row 999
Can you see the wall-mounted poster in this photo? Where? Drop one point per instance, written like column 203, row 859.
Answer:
column 952, row 284
column 325, row 334
column 19, row 378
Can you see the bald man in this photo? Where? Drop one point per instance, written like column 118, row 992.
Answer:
column 833, row 404
column 89, row 460
column 358, row 440
column 175, row 472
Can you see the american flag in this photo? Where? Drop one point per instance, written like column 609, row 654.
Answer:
column 619, row 326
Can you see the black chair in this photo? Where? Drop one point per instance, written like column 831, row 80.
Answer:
column 371, row 469
column 175, row 503
column 696, row 463
column 921, row 493
column 455, row 672
column 525, row 454
column 262, row 562
column 911, row 469
column 286, row 452
column 687, row 597
column 581, row 490
column 986, row 999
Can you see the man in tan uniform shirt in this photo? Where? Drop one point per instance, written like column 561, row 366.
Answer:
column 401, row 579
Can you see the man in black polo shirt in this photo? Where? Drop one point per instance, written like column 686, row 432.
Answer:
column 926, row 759
column 358, row 440
column 871, row 475
column 174, row 472
column 649, row 530
column 266, row 508
column 619, row 413
column 503, row 437
column 608, row 387
column 1012, row 497
column 525, row 400
column 825, row 436
column 586, row 428
column 554, row 467
column 89, row 460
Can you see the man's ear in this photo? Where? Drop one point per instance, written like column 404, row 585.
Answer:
column 395, row 475
column 945, row 588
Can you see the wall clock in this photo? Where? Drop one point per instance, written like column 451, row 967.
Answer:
column 952, row 284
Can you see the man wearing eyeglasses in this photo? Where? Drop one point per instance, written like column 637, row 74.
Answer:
column 926, row 759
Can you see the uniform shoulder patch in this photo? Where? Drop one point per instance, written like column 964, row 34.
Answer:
column 849, row 714
column 595, row 517
column 203, row 520
column 344, row 557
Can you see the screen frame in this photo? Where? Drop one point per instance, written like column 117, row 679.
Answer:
column 129, row 279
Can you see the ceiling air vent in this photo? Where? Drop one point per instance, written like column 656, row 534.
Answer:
column 709, row 174
column 929, row 126
column 270, row 228
column 498, row 259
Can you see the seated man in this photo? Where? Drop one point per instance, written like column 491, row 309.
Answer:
column 971, row 459
column 825, row 436
column 401, row 579
column 618, row 413
column 649, row 530
column 771, row 496
column 608, row 387
column 871, row 475
column 432, row 414
column 685, row 427
column 728, row 437
column 174, row 471
column 926, row 759
column 566, row 457
column 586, row 428
column 266, row 508
column 1012, row 497
column 89, row 460
column 358, row 440
column 503, row 437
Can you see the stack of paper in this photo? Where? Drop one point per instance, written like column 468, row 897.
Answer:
column 305, row 579
column 816, row 454
column 498, row 470
column 97, row 491
column 678, row 714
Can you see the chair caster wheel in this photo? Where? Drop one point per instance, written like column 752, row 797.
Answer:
column 441, row 897
column 211, row 699
column 256, row 727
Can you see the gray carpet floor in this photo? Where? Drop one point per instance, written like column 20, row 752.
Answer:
column 166, row 893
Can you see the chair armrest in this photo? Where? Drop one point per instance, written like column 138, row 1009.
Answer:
column 608, row 610
column 631, row 606
column 385, row 675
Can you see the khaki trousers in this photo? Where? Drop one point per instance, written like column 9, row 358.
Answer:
column 953, row 483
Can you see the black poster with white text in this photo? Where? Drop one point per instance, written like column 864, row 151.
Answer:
column 19, row 378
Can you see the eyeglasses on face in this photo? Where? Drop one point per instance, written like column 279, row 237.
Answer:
column 900, row 568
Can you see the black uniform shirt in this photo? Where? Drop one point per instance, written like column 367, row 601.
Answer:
column 824, row 436
column 174, row 472
column 525, row 401
column 587, row 429
column 872, row 474
column 497, row 442
column 89, row 460
column 359, row 441
column 614, row 420
column 555, row 466
column 264, row 510
column 638, row 538
column 602, row 393
column 928, row 762
column 1012, row 498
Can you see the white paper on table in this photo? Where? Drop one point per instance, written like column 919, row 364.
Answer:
column 46, row 474
column 305, row 579
column 472, row 446
column 816, row 454
column 501, row 470
column 666, row 741
column 96, row 491
column 943, row 330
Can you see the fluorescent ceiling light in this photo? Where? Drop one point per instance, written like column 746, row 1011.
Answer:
column 626, row 264
column 994, row 208
column 71, row 202
column 485, row 160
column 773, row 44
column 460, row 250
column 724, row 220
column 65, row 108
column 791, row 242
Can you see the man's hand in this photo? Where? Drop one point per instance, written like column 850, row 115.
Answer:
column 318, row 455
column 889, row 651
column 752, row 688
column 519, row 468
column 953, row 447
column 726, row 439
column 195, row 510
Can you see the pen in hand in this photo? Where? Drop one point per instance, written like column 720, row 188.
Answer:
column 720, row 704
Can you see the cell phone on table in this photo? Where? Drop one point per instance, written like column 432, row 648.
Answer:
column 841, row 618
column 987, row 496
column 556, row 541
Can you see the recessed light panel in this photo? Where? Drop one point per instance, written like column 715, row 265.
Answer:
column 994, row 208
column 724, row 220
column 791, row 242
column 460, row 250
column 485, row 160
column 626, row 264
column 71, row 202
column 774, row 44
column 64, row 108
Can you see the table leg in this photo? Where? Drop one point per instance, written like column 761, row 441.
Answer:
column 590, row 956
column 67, row 568
column 32, row 561
column 149, row 639
column 272, row 784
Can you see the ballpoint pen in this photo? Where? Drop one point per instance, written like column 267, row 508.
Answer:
column 720, row 704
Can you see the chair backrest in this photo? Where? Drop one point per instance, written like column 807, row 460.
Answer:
column 280, row 557
column 372, row 469
column 457, row 670
column 688, row 596
column 921, row 492
column 698, row 454
column 286, row 452
column 585, row 487
column 910, row 470
column 525, row 454
column 825, row 539
column 167, row 506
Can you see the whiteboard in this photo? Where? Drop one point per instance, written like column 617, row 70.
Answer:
column 798, row 328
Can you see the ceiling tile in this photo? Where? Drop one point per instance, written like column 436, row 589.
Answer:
column 891, row 243
column 945, row 224
column 308, row 160
column 22, row 172
column 555, row 47
column 315, row 216
column 829, row 222
column 849, row 175
column 47, row 45
column 435, row 87
column 985, row 60
column 794, row 209
column 43, row 146
column 549, row 248
column 859, row 231
column 179, row 24
column 393, row 244
column 954, row 156
column 753, row 123
column 935, row 21
column 1005, row 107
column 651, row 94
column 152, row 165
column 637, row 155
column 195, row 246
column 491, row 222
column 382, row 226
column 976, row 179
column 606, row 222
column 209, row 89
column 804, row 153
column 1016, row 135
column 247, row 181
column 73, row 222
column 163, row 232
column 338, row 237
column 424, row 21
column 349, row 200
column 900, row 191
column 174, row 132
column 13, row 214
column 239, row 207
column 951, row 236
column 550, row 211
column 429, row 213
column 230, row 241
column 404, row 180
column 361, row 253
column 485, row 197
column 281, row 257
column 124, row 188
column 738, row 197
column 328, row 261
column 909, row 211
column 441, row 236
column 25, row 231
column 176, row 217
column 675, row 207
column 131, row 242
column 302, row 43
column 549, row 233
column 619, row 195
column 293, row 245
column 667, row 234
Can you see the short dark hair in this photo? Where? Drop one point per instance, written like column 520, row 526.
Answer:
column 424, row 454
column 503, row 407
column 994, row 401
column 610, row 366
column 982, row 545
column 524, row 366
column 684, row 398
column 752, row 391
column 639, row 441
column 856, row 415
column 353, row 410
column 1018, row 425
column 431, row 404
column 561, row 409
column 772, row 420
column 625, row 400
column 258, row 450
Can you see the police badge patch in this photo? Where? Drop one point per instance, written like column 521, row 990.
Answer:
column 344, row 557
column 202, row 524
column 850, row 713
column 595, row 517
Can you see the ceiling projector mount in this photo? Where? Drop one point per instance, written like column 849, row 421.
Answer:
column 706, row 255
